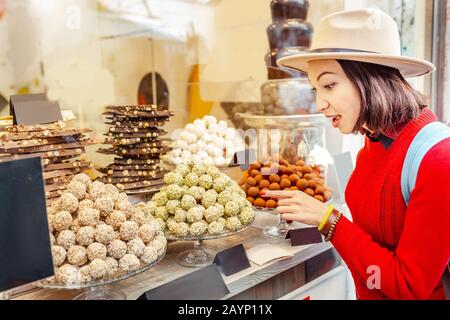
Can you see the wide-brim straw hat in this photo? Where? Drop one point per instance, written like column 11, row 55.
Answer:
column 367, row 35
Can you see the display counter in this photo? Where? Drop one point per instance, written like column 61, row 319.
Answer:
column 273, row 280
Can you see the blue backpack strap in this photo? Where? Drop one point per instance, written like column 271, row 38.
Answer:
column 425, row 139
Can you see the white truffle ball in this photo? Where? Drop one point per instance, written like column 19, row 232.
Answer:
column 62, row 220
column 77, row 255
column 59, row 255
column 136, row 247
column 128, row 263
column 129, row 230
column 98, row 268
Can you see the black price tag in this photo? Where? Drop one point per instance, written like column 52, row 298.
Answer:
column 232, row 260
column 34, row 109
column 25, row 253
column 204, row 284
column 304, row 236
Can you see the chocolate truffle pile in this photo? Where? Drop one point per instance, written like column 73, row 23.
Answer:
column 58, row 146
column 282, row 175
column 199, row 200
column 96, row 233
column 134, row 135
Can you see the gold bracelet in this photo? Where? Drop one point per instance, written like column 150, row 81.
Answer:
column 333, row 227
column 325, row 218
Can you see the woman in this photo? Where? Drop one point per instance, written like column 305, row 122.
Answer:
column 394, row 248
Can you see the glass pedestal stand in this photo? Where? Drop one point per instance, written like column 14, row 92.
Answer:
column 196, row 257
column 98, row 289
column 101, row 293
column 278, row 230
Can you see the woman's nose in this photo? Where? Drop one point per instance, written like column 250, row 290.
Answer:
column 322, row 105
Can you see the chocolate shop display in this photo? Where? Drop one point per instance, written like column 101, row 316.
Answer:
column 98, row 236
column 58, row 146
column 199, row 203
column 206, row 141
column 134, row 134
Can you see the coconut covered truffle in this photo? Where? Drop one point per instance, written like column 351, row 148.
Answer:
column 88, row 217
column 86, row 203
column 78, row 189
column 77, row 255
column 224, row 197
column 62, row 220
column 129, row 230
column 232, row 209
column 209, row 198
column 174, row 192
column 180, row 215
column 197, row 228
column 183, row 170
column 112, row 265
column 149, row 255
column 151, row 207
column 191, row 179
column 199, row 169
column 104, row 234
column 161, row 212
column 83, row 178
column 247, row 215
column 215, row 227
column 172, row 206
column 129, row 262
column 173, row 178
column 96, row 250
column 96, row 190
column 98, row 268
column 115, row 219
column 211, row 214
column 136, row 247
column 220, row 184
column 160, row 244
column 117, row 249
column 140, row 217
column 85, row 236
column 69, row 202
column 205, row 181
column 84, row 274
column 233, row 224
column 67, row 274
column 147, row 232
column 196, row 192
column 105, row 205
column 188, row 202
column 181, row 229
column 195, row 214
column 66, row 239
column 59, row 255
column 160, row 198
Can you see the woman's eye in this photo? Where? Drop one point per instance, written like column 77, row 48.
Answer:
column 314, row 90
column 329, row 86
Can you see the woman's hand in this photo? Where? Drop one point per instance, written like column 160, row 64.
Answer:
column 298, row 206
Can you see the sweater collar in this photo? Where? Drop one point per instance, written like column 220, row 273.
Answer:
column 410, row 129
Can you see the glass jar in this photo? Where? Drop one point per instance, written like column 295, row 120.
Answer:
column 287, row 97
column 289, row 9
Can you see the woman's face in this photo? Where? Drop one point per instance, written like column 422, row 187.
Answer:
column 336, row 96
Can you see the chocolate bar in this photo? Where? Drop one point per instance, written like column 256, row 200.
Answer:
column 7, row 136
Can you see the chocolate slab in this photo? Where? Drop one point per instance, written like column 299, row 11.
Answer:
column 6, row 136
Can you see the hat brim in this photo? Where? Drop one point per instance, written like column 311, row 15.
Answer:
column 408, row 67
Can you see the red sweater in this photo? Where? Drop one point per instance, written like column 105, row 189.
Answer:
column 410, row 245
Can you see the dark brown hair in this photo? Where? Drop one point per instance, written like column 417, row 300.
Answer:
column 388, row 101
